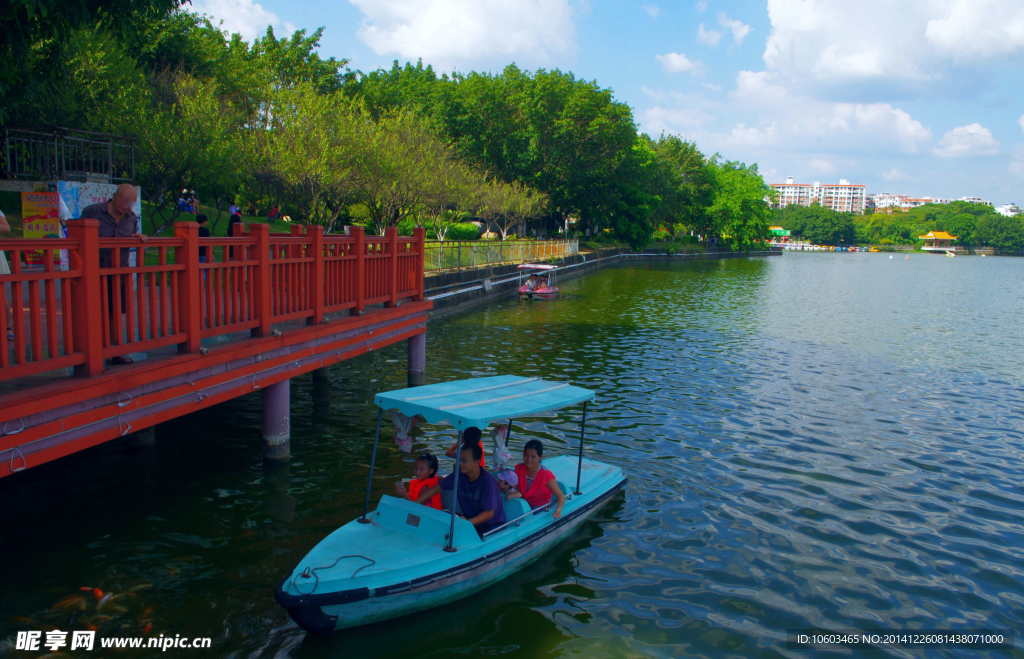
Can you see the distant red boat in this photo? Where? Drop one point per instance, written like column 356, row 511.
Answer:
column 541, row 282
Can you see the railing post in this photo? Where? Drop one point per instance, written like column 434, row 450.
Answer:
column 189, row 313
column 391, row 234
column 262, row 309
column 316, row 279
column 420, row 235
column 359, row 245
column 84, row 291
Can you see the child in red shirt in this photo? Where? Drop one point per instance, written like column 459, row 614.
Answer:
column 471, row 435
column 426, row 478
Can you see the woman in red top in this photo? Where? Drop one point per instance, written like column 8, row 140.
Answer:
column 536, row 483
column 426, row 478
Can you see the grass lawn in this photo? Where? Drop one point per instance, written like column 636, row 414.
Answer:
column 220, row 230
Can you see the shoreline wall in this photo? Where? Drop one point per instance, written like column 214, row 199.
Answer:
column 467, row 288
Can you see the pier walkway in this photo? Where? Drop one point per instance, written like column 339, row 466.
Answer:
column 261, row 309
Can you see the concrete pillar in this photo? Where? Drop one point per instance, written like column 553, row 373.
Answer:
column 277, row 421
column 322, row 374
column 418, row 360
column 142, row 438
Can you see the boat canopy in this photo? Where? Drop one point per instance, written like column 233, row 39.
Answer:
column 479, row 401
column 537, row 266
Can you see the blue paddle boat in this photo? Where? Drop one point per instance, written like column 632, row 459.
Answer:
column 405, row 557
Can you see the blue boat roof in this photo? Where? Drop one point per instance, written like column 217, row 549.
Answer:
column 479, row 401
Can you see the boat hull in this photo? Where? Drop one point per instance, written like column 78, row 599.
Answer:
column 467, row 571
column 545, row 294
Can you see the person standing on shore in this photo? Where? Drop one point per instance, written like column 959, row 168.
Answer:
column 235, row 228
column 117, row 220
column 204, row 251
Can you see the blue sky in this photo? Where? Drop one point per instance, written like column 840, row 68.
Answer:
column 918, row 97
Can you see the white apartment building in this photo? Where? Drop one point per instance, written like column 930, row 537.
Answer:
column 976, row 200
column 789, row 193
column 1009, row 210
column 844, row 197
column 904, row 202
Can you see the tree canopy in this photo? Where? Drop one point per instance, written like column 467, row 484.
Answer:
column 271, row 122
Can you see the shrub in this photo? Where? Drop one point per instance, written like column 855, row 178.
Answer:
column 406, row 226
column 463, row 231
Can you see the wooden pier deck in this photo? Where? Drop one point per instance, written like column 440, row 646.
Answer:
column 260, row 310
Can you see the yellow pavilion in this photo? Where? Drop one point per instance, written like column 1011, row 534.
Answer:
column 938, row 241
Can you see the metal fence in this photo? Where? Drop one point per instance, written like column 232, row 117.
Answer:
column 442, row 255
column 67, row 155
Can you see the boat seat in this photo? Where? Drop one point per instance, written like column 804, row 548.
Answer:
column 446, row 501
column 566, row 490
column 515, row 508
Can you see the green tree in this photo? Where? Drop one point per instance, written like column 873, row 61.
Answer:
column 883, row 228
column 961, row 225
column 740, row 214
column 34, row 30
column 314, row 152
column 508, row 205
column 631, row 204
column 683, row 182
column 817, row 224
column 561, row 136
column 400, row 165
column 195, row 138
column 1003, row 233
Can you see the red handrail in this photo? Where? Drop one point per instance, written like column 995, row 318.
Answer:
column 84, row 315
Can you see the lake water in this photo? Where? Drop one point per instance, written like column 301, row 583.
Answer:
column 811, row 440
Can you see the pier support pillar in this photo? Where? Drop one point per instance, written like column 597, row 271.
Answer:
column 417, row 359
column 143, row 438
column 277, row 421
column 322, row 374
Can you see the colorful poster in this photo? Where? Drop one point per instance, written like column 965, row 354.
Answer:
column 40, row 217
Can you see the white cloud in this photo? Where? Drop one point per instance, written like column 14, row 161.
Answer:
column 738, row 28
column 894, row 174
column 1021, row 122
column 448, row 33
column 803, row 124
column 978, row 28
column 822, row 166
column 652, row 10
column 702, row 5
column 832, row 39
column 244, row 17
column 753, row 137
column 678, row 63
column 658, row 119
column 1017, row 160
column 970, row 140
column 708, row 37
column 905, row 46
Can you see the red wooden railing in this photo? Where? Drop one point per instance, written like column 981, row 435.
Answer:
column 81, row 316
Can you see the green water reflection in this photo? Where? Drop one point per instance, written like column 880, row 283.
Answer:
column 811, row 440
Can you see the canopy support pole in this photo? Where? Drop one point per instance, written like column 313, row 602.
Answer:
column 373, row 460
column 579, row 467
column 455, row 495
